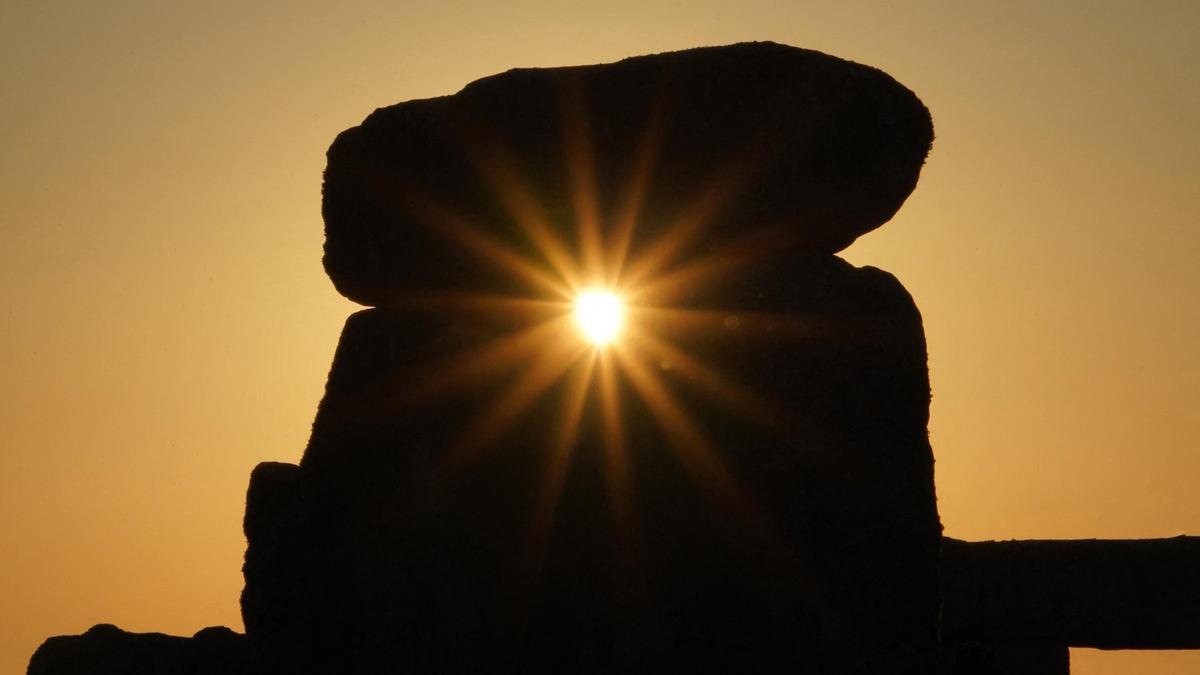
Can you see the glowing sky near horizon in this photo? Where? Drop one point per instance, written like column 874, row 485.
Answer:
column 167, row 325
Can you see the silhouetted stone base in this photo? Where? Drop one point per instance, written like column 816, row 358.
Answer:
column 107, row 650
column 1006, row 658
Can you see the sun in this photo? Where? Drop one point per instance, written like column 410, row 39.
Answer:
column 599, row 314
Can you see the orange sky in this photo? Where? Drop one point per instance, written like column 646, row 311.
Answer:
column 166, row 323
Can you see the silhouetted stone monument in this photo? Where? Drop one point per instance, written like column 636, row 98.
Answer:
column 801, row 538
column 835, row 571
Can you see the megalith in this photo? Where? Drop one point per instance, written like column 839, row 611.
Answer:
column 745, row 485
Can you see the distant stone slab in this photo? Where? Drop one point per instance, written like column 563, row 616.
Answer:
column 1103, row 594
column 719, row 142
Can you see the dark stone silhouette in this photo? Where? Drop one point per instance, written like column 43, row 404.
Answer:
column 834, row 570
column 108, row 650
column 820, row 148
column 273, row 566
column 825, row 553
column 1007, row 657
column 791, row 526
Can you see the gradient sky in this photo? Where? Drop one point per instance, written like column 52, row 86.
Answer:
column 165, row 323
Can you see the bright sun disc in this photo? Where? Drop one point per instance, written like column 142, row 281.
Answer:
column 599, row 314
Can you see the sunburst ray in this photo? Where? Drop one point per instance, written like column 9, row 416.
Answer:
column 580, row 161
column 630, row 207
column 717, row 324
column 708, row 381
column 618, row 471
column 516, row 308
column 682, row 321
column 469, row 367
column 507, row 406
column 500, row 171
column 558, row 462
column 749, row 249
column 691, row 445
column 458, row 228
column 401, row 196
column 722, row 187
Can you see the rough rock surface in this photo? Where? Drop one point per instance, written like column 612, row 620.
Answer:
column 107, row 650
column 823, row 559
column 812, row 148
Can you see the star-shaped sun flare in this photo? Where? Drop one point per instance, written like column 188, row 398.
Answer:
column 604, row 320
